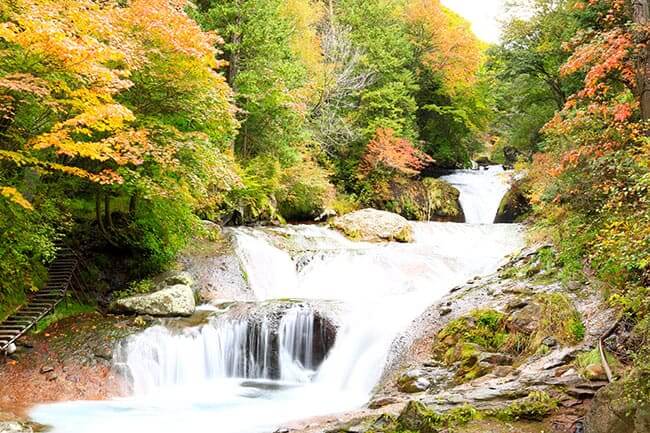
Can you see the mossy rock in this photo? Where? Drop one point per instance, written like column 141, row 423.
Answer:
column 535, row 407
column 619, row 408
column 416, row 417
column 514, row 205
column 429, row 199
column 464, row 341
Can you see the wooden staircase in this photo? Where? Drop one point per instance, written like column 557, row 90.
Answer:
column 62, row 275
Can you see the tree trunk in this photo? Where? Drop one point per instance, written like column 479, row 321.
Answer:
column 233, row 58
column 98, row 213
column 107, row 211
column 641, row 15
column 133, row 203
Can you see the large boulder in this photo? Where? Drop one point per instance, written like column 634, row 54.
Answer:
column 177, row 300
column 373, row 225
column 429, row 199
column 613, row 410
column 513, row 206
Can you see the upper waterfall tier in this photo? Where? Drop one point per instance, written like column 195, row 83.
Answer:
column 481, row 192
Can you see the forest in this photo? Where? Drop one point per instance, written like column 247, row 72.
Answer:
column 125, row 125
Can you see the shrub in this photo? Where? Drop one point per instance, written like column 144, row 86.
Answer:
column 305, row 191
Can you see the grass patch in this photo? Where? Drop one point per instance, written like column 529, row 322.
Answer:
column 62, row 311
column 535, row 407
column 559, row 319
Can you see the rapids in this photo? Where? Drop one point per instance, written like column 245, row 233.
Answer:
column 239, row 375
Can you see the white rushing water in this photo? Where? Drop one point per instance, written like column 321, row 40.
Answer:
column 239, row 375
column 481, row 192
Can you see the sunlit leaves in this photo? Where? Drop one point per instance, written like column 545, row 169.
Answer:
column 14, row 196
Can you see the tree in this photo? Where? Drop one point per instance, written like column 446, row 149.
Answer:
column 641, row 16
column 450, row 101
column 526, row 66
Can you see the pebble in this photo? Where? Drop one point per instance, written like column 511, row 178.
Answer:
column 46, row 369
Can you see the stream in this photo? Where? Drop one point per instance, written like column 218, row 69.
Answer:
column 316, row 339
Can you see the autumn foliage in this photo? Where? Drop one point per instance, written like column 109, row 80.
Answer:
column 388, row 152
column 592, row 181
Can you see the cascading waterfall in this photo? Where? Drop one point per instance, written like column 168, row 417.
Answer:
column 297, row 345
column 481, row 192
column 250, row 374
column 159, row 357
column 221, row 349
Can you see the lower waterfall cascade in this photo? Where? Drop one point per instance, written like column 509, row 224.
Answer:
column 252, row 374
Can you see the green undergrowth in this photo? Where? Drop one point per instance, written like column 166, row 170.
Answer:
column 141, row 287
column 559, row 319
column 64, row 310
column 535, row 407
column 593, row 357
column 10, row 302
column 461, row 343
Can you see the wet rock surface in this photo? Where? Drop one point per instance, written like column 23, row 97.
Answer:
column 216, row 269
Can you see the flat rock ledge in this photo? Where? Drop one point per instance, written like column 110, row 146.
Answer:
column 176, row 300
column 371, row 225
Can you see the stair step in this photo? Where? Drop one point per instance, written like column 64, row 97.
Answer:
column 9, row 335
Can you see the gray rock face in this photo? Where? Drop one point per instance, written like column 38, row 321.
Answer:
column 414, row 381
column 176, row 300
column 373, row 225
column 183, row 278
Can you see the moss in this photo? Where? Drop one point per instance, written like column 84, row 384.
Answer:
column 463, row 339
column 559, row 319
column 416, row 417
column 535, row 407
column 62, row 311
column 481, row 327
column 405, row 235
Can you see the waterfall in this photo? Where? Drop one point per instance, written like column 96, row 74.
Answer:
column 297, row 345
column 159, row 357
column 481, row 192
column 243, row 349
column 280, row 358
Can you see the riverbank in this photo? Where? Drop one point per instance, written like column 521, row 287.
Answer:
column 70, row 360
